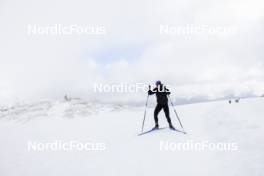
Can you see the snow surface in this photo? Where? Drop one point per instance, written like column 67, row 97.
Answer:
column 126, row 153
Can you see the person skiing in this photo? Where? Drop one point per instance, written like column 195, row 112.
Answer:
column 162, row 103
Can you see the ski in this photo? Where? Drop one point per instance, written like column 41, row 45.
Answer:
column 157, row 129
column 149, row 131
column 176, row 130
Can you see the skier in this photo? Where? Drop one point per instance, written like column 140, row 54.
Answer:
column 162, row 103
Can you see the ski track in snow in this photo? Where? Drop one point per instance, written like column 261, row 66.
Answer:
column 126, row 153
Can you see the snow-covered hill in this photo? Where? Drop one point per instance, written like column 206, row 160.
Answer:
column 118, row 151
column 32, row 110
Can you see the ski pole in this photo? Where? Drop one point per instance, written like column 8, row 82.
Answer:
column 176, row 114
column 145, row 112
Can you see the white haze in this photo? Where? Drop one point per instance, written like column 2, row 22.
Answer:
column 212, row 66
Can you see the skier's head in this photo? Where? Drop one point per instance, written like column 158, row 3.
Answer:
column 158, row 83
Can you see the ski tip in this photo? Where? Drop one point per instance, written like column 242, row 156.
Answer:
column 184, row 132
column 178, row 130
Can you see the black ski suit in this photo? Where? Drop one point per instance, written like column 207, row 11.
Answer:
column 162, row 102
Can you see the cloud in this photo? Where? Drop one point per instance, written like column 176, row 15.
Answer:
column 198, row 65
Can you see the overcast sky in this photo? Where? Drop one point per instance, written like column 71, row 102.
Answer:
column 133, row 48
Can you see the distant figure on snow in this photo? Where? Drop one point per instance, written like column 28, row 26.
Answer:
column 66, row 98
column 162, row 102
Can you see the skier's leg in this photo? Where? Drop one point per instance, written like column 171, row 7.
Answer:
column 156, row 112
column 167, row 113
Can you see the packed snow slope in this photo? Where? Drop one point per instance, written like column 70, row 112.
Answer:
column 126, row 153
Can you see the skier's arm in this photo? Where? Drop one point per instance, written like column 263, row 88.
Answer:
column 167, row 91
column 151, row 92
